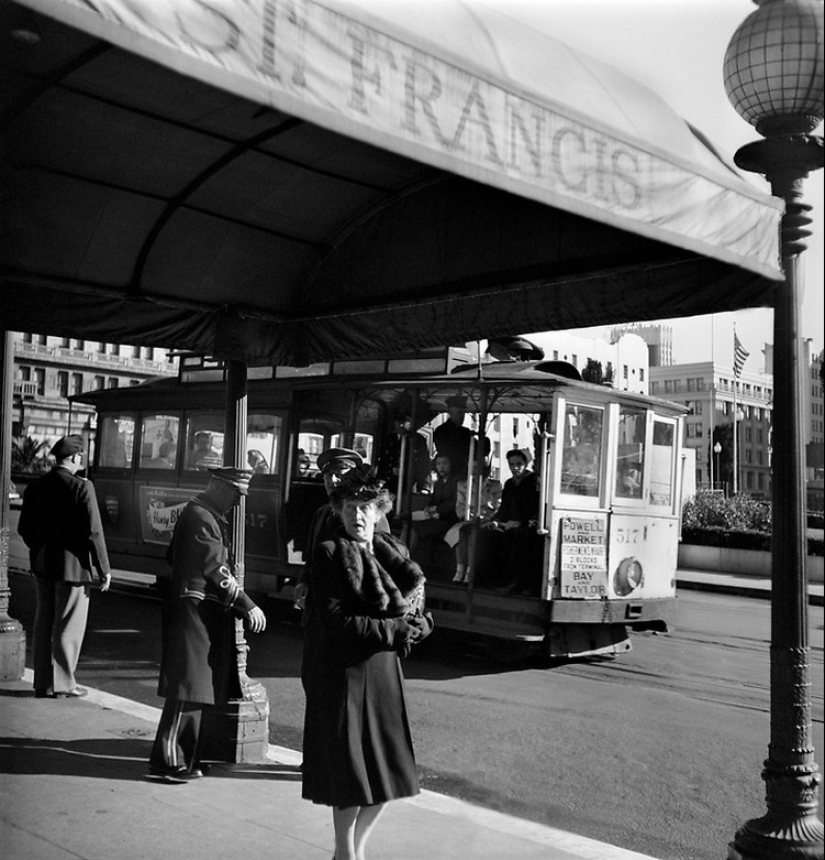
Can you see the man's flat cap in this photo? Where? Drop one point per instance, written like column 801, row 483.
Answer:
column 339, row 457
column 67, row 447
column 237, row 478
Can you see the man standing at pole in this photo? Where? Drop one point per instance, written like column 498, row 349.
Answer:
column 60, row 524
column 198, row 668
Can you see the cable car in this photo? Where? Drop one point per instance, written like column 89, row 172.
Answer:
column 608, row 471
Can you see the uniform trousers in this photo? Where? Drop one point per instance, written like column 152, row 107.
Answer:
column 59, row 627
column 177, row 742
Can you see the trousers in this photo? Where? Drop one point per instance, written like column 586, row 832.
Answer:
column 178, row 738
column 59, row 627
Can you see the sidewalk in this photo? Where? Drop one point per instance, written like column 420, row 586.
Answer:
column 74, row 788
column 735, row 583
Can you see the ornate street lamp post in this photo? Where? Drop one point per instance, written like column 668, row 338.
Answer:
column 774, row 78
column 717, row 449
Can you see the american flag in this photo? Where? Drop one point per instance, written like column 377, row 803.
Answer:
column 739, row 355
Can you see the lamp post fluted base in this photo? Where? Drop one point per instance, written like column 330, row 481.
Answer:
column 791, row 829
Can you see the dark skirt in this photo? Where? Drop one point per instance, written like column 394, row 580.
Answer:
column 198, row 661
column 357, row 743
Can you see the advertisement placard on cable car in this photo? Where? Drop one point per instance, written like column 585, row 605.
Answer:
column 161, row 508
column 584, row 557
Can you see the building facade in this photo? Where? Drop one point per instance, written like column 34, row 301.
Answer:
column 48, row 370
column 733, row 461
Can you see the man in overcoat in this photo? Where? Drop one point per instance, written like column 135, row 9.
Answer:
column 198, row 659
column 60, row 524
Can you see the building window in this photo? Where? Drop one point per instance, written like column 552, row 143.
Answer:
column 41, row 339
column 150, row 353
column 668, row 386
column 641, row 374
column 115, row 349
column 691, row 385
column 27, row 338
column 101, row 347
column 40, row 380
column 63, row 383
column 100, row 382
column 624, row 371
column 114, row 382
column 77, row 383
column 65, row 342
column 80, row 344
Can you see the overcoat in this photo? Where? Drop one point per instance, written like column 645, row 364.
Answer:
column 357, row 743
column 198, row 653
column 60, row 524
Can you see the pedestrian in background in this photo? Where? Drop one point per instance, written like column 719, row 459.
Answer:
column 366, row 594
column 60, row 524
column 198, row 658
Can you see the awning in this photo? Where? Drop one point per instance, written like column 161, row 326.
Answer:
column 287, row 181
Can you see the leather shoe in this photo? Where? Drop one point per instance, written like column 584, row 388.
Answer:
column 48, row 693
column 76, row 693
column 177, row 775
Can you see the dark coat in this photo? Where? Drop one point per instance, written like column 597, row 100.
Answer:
column 520, row 501
column 198, row 661
column 357, row 742
column 60, row 524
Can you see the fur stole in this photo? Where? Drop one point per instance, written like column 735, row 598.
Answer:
column 387, row 581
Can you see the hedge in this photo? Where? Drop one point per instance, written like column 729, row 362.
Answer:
column 740, row 522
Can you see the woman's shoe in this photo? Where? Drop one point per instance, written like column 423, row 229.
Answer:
column 76, row 693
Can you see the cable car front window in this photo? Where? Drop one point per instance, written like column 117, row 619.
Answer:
column 630, row 454
column 582, row 451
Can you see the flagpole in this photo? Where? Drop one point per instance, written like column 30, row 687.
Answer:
column 712, row 405
column 735, row 425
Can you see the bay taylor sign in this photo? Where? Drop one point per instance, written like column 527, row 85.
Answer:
column 351, row 68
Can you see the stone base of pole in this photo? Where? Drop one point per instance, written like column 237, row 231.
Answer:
column 12, row 650
column 238, row 733
column 12, row 635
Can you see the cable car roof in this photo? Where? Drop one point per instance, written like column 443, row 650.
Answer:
column 296, row 182
column 520, row 387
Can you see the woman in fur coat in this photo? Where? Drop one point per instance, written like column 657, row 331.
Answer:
column 366, row 614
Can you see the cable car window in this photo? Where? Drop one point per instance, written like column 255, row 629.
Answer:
column 262, row 435
column 204, row 440
column 314, row 436
column 159, row 441
column 661, row 463
column 630, row 455
column 582, row 451
column 117, row 440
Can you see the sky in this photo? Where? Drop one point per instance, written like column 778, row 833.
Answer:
column 677, row 48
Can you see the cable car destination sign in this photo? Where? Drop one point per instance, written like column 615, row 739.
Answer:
column 352, row 67
column 583, row 557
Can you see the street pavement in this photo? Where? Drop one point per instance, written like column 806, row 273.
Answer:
column 75, row 787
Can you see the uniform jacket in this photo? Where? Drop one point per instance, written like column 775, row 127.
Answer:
column 199, row 554
column 60, row 524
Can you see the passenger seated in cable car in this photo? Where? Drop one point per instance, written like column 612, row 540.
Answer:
column 430, row 524
column 458, row 535
column 257, row 462
column 204, row 455
column 509, row 548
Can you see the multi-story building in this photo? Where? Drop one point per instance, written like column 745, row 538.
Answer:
column 47, row 370
column 627, row 356
column 714, row 396
column 658, row 337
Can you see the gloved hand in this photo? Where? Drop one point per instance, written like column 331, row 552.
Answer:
column 406, row 632
column 423, row 624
